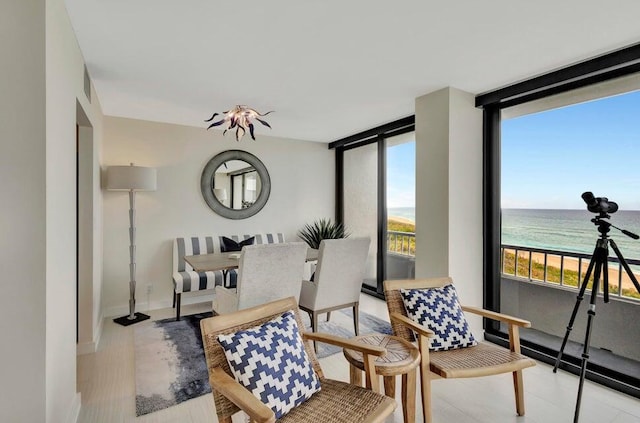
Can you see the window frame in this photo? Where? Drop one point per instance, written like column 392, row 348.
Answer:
column 377, row 135
column 613, row 65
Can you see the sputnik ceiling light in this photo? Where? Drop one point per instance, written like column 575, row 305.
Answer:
column 240, row 118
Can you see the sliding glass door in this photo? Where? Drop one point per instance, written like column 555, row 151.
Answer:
column 372, row 189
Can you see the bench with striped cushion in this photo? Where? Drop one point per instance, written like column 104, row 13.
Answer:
column 185, row 279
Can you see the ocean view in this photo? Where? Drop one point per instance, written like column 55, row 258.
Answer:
column 404, row 212
column 565, row 230
column 568, row 230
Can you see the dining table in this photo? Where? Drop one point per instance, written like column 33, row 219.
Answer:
column 227, row 260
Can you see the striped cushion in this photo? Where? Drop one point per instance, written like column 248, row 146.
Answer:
column 194, row 281
column 189, row 247
column 185, row 279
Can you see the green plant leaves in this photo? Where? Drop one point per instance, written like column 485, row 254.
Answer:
column 321, row 229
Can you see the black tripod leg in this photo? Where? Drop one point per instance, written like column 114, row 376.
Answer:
column 600, row 266
column 625, row 265
column 583, row 288
column 605, row 278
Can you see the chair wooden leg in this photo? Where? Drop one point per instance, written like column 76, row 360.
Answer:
column 355, row 376
column 174, row 299
column 314, row 328
column 178, row 298
column 356, row 322
column 518, row 386
column 409, row 396
column 425, row 379
column 328, row 315
column 371, row 381
column 389, row 386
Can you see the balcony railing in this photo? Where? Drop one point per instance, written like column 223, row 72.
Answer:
column 561, row 268
column 403, row 243
column 565, row 268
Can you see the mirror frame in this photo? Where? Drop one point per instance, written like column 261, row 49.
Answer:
column 206, row 184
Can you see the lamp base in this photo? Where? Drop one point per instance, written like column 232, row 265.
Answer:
column 125, row 321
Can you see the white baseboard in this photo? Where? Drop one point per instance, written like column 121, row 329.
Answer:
column 98, row 332
column 74, row 410
column 187, row 299
column 91, row 347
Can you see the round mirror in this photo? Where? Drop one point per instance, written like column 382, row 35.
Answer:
column 235, row 184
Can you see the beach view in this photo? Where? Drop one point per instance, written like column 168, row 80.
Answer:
column 569, row 231
column 549, row 158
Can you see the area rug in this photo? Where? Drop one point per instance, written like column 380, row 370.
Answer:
column 169, row 359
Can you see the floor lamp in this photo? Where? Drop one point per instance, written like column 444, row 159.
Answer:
column 131, row 178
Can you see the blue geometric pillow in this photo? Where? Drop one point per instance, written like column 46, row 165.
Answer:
column 271, row 362
column 439, row 310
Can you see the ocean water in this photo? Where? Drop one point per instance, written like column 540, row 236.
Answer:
column 564, row 230
column 406, row 212
column 568, row 230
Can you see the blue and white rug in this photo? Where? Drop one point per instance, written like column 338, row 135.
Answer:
column 169, row 359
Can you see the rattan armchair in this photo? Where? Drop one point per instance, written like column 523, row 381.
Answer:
column 482, row 360
column 336, row 402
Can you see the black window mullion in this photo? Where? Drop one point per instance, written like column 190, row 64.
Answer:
column 491, row 215
column 340, row 185
column 382, row 212
column 598, row 67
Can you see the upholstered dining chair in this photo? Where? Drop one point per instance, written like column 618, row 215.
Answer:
column 334, row 402
column 483, row 359
column 265, row 273
column 337, row 280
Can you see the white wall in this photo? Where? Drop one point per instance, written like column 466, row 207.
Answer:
column 64, row 90
column 449, row 192
column 302, row 189
column 39, row 89
column 432, row 184
column 465, row 197
column 22, row 220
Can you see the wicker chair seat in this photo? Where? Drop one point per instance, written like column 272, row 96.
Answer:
column 483, row 359
column 336, row 402
column 339, row 402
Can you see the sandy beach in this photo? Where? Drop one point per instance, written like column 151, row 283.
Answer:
column 571, row 263
column 398, row 219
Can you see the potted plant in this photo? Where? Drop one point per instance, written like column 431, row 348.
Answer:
column 321, row 229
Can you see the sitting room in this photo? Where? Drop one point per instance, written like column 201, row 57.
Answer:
column 172, row 166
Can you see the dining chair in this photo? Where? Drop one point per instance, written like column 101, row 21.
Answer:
column 261, row 358
column 337, row 280
column 478, row 359
column 265, row 273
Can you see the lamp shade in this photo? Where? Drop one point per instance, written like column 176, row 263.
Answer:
column 125, row 178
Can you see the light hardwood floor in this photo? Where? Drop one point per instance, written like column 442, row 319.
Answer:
column 106, row 382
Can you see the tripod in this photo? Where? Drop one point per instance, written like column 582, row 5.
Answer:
column 599, row 266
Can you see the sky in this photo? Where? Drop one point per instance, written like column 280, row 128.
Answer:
column 401, row 174
column 550, row 158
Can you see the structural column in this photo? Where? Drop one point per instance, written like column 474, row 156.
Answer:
column 449, row 191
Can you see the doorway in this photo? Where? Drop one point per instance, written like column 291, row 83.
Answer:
column 87, row 300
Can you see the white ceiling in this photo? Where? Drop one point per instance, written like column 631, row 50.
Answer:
column 328, row 68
